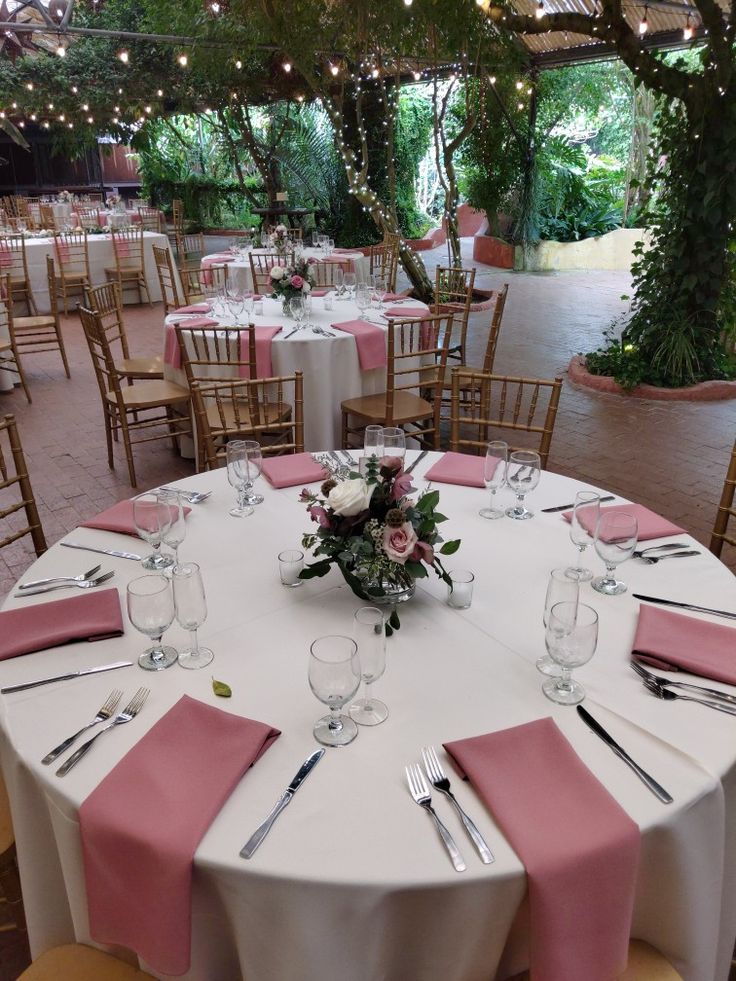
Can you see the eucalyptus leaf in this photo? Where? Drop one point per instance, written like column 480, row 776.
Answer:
column 221, row 689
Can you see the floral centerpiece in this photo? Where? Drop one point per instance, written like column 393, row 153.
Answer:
column 380, row 538
column 65, row 197
column 293, row 280
column 280, row 239
column 114, row 201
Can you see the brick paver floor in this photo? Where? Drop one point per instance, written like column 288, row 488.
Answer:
column 670, row 456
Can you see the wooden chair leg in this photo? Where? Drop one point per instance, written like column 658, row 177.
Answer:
column 62, row 351
column 170, row 416
column 11, row 888
column 128, row 452
column 22, row 376
column 344, row 435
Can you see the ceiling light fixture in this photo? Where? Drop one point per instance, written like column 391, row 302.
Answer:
column 644, row 25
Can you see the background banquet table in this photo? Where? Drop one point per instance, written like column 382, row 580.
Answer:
column 240, row 275
column 330, row 365
column 352, row 880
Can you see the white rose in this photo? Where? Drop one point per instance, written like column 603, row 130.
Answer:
column 306, row 288
column 350, row 497
column 278, row 272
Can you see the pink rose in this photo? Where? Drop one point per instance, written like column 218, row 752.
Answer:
column 319, row 515
column 399, row 543
column 423, row 553
column 401, row 487
column 297, row 282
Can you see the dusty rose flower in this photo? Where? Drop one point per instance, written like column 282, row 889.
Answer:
column 297, row 282
column 402, row 486
column 423, row 553
column 389, row 465
column 399, row 543
column 319, row 515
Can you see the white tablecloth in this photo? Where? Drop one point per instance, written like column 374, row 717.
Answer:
column 241, row 277
column 330, row 365
column 352, row 881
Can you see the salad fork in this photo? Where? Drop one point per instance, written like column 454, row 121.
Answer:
column 104, row 713
column 421, row 795
column 439, row 781
column 127, row 715
column 697, row 689
column 665, row 693
column 191, row 497
column 68, row 579
column 82, row 584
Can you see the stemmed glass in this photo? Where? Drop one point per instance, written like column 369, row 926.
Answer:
column 560, row 589
column 522, row 476
column 237, row 475
column 615, row 540
column 253, row 468
column 394, row 442
column 190, row 605
column 350, row 280
column 583, row 522
column 362, row 298
column 340, row 280
column 373, row 441
column 494, row 475
column 152, row 519
column 176, row 532
column 571, row 638
column 370, row 633
column 334, row 677
column 151, row 610
column 296, row 305
column 379, row 285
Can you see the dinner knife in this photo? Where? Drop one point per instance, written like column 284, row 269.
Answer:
column 566, row 507
column 65, row 677
column 260, row 833
column 685, row 606
column 418, row 460
column 103, row 551
column 656, row 788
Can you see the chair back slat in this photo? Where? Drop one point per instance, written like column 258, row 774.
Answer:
column 106, row 302
column 108, row 378
column 221, row 354
column 15, row 480
column 166, row 278
column 327, row 272
column 726, row 510
column 453, row 293
column 149, row 219
column 127, row 244
column 495, row 329
column 72, row 253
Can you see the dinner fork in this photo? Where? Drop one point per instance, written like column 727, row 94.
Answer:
column 47, row 582
column 191, row 497
column 641, row 552
column 439, row 781
column 669, row 696
column 421, row 795
column 105, row 712
column 698, row 689
column 653, row 559
column 351, row 459
column 127, row 715
column 82, row 584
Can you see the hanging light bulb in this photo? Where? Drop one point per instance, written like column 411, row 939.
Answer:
column 22, row 124
column 34, row 117
column 120, row 91
column 160, row 93
column 51, row 106
column 85, row 107
column 124, row 56
column 74, row 89
column 29, row 86
column 492, row 79
column 62, row 117
column 417, row 76
column 15, row 105
column 334, row 70
column 300, row 98
column 287, row 66
column 70, row 125
column 115, row 120
column 61, row 50
column 46, row 125
column 183, row 60
column 238, row 65
column 539, row 12
column 374, row 73
column 687, row 31
column 90, row 119
column 644, row 24
column 408, row 3
column 148, row 110
column 520, row 86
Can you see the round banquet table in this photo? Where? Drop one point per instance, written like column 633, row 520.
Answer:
column 330, row 365
column 353, row 881
column 240, row 274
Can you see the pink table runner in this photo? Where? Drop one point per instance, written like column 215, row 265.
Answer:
column 370, row 341
column 427, row 332
column 458, row 468
column 651, row 525
column 579, row 847
column 673, row 642
column 292, row 471
column 118, row 518
column 92, row 616
column 141, row 826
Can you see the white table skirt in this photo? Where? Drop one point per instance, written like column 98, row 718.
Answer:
column 353, row 881
column 240, row 274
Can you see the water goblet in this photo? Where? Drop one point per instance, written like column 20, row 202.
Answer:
column 394, row 442
column 370, row 633
column 522, row 476
column 152, row 519
column 176, row 531
column 190, row 606
column 330, row 246
column 560, row 589
column 381, row 288
column 253, row 468
column 583, row 522
column 615, row 540
column 350, row 281
column 334, row 677
column 571, row 639
column 340, row 280
column 494, row 475
column 151, row 610
column 362, row 298
column 237, row 475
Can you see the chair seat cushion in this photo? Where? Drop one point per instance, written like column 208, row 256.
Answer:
column 76, row 962
column 407, row 407
column 150, row 394
column 141, row 367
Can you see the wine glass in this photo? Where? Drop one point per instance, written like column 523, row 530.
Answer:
column 522, row 476
column 190, row 605
column 583, row 521
column 152, row 519
column 394, row 442
column 615, row 540
column 176, row 532
column 370, row 633
column 494, row 475
column 381, row 288
column 252, row 469
column 571, row 639
column 350, row 281
column 237, row 475
column 340, row 280
column 373, row 441
column 151, row 610
column 362, row 298
column 560, row 589
column 334, row 677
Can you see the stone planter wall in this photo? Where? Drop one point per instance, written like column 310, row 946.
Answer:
column 615, row 250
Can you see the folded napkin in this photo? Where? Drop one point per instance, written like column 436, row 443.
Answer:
column 458, row 468
column 579, row 848
column 293, row 470
column 319, row 292
column 674, row 642
column 141, row 826
column 651, row 525
column 118, row 518
column 389, row 297
column 172, row 351
column 407, row 313
column 213, row 260
column 94, row 615
column 194, row 308
column 370, row 341
column 264, row 338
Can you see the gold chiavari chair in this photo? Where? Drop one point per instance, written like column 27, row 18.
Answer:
column 95, row 197
column 123, row 404
column 18, row 478
column 47, row 217
column 129, row 269
column 484, row 404
column 384, row 262
column 416, row 360
column 292, row 234
column 190, row 248
column 88, row 218
column 23, row 211
column 13, row 260
column 9, row 354
column 72, row 254
column 189, row 251
column 453, row 293
column 269, row 410
column 177, row 215
column 106, row 301
column 326, row 272
column 644, row 964
column 9, row 873
column 726, row 510
column 36, row 335
column 166, row 278
column 150, row 219
column 77, row 962
column 261, row 264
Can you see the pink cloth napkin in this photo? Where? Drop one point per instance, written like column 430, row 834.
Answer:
column 6, row 257
column 291, row 471
column 92, row 616
column 213, row 260
column 172, row 351
column 579, row 848
column 651, row 525
column 389, row 297
column 141, row 826
column 122, row 248
column 370, row 341
column 340, row 260
column 407, row 313
column 319, row 292
column 118, row 518
column 264, row 339
column 194, row 308
column 673, row 642
column 458, row 468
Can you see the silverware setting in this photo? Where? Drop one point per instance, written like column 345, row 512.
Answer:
column 191, row 497
column 639, row 553
column 351, row 459
column 685, row 606
column 439, row 781
column 684, row 685
column 415, row 462
column 568, row 507
column 653, row 559
column 109, row 706
column 65, row 677
column 103, row 551
column 68, row 584
column 669, row 696
column 420, row 794
column 127, row 715
column 70, row 579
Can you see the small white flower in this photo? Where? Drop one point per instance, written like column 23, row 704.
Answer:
column 350, row 497
column 278, row 272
